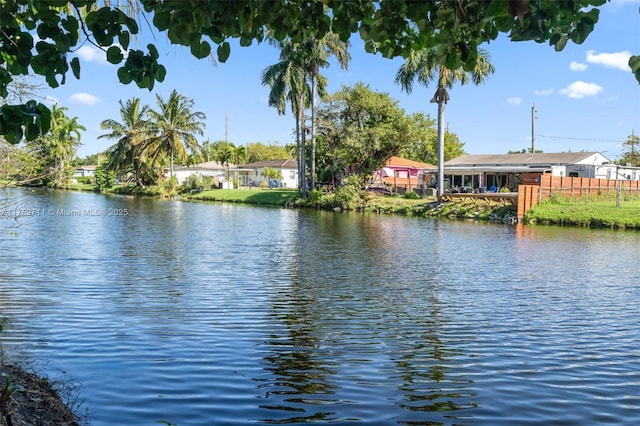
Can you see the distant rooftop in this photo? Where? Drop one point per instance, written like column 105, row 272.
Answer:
column 537, row 159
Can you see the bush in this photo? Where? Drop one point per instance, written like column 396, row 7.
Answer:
column 192, row 182
column 169, row 187
column 104, row 179
column 315, row 196
column 87, row 180
column 207, row 182
column 411, row 195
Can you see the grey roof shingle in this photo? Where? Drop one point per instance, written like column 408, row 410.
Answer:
column 281, row 164
column 537, row 159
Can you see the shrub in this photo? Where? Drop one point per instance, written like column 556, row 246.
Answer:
column 411, row 195
column 87, row 180
column 104, row 179
column 315, row 196
column 207, row 182
column 169, row 187
column 191, row 182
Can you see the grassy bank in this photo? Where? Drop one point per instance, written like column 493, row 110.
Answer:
column 272, row 197
column 593, row 213
column 354, row 200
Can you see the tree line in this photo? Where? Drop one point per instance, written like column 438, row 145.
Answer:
column 358, row 129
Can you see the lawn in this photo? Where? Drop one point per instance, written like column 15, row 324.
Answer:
column 596, row 214
column 275, row 197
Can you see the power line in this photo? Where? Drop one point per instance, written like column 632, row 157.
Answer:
column 579, row 139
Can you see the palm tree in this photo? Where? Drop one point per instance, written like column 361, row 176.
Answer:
column 317, row 53
column 287, row 80
column 175, row 126
column 239, row 154
column 61, row 141
column 132, row 135
column 423, row 66
column 225, row 155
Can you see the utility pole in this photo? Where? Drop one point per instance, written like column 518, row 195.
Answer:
column 533, row 137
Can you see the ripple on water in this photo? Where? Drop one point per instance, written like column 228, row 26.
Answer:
column 208, row 314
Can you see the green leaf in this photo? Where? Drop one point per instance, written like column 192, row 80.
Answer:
column 561, row 43
column 114, row 55
column 161, row 72
column 200, row 49
column 123, row 38
column 498, row 8
column 124, row 75
column 223, row 51
column 634, row 63
column 33, row 131
column 75, row 67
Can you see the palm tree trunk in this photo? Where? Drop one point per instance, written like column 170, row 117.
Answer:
column 298, row 151
column 314, row 90
column 171, row 164
column 440, row 188
column 303, row 149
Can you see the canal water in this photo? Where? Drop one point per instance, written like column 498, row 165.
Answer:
column 220, row 314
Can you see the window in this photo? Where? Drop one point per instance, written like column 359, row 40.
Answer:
column 292, row 175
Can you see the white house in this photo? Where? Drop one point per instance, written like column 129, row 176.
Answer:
column 84, row 171
column 251, row 174
column 210, row 168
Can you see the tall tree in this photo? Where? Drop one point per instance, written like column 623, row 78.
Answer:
column 225, row 154
column 425, row 67
column 239, row 156
column 176, row 127
column 631, row 151
column 132, row 133
column 316, row 56
column 422, row 141
column 60, row 143
column 288, row 83
column 258, row 151
column 358, row 130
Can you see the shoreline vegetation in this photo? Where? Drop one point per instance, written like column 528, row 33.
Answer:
column 35, row 401
column 594, row 213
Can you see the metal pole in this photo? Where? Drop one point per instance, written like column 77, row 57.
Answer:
column 533, row 148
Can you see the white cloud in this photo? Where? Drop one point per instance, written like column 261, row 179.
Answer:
column 543, row 92
column 577, row 66
column 84, row 99
column 580, row 89
column 617, row 60
column 514, row 101
column 91, row 54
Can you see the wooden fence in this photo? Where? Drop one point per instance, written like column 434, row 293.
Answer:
column 571, row 187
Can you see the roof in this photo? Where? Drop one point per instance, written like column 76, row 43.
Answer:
column 276, row 164
column 536, row 160
column 211, row 165
column 403, row 162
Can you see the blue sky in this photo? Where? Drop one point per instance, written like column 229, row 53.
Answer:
column 585, row 96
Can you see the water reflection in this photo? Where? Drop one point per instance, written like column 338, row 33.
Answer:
column 333, row 342
column 237, row 315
